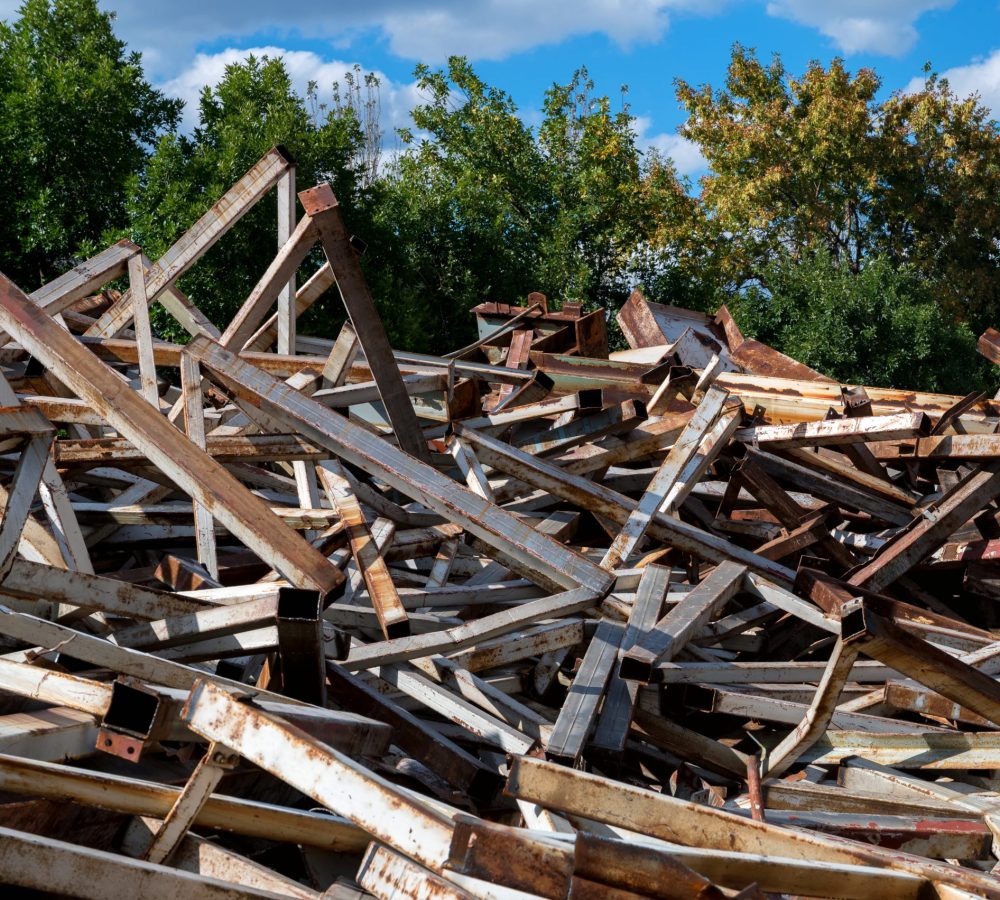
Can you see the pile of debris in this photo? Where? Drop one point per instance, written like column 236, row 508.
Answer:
column 285, row 616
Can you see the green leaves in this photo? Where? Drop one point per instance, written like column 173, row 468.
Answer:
column 486, row 208
column 881, row 325
column 77, row 119
column 792, row 160
column 250, row 110
column 853, row 231
column 818, row 162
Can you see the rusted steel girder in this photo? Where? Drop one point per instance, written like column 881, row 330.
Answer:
column 204, row 479
column 929, row 530
column 872, row 630
column 544, row 559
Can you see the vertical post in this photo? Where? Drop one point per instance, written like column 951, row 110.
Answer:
column 194, row 427
column 143, row 331
column 305, row 478
column 286, row 299
column 300, row 645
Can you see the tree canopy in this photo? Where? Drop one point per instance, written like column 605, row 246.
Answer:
column 878, row 325
column 855, row 230
column 483, row 207
column 819, row 162
column 77, row 118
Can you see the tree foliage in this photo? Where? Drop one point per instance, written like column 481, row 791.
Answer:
column 939, row 212
column 791, row 161
column 819, row 162
column 854, row 231
column 77, row 117
column 480, row 206
column 879, row 325
column 251, row 109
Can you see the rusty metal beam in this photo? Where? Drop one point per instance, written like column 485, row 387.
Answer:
column 204, row 479
column 543, row 558
column 411, row 826
column 873, row 631
column 929, row 530
column 185, row 252
column 669, row 636
column 671, row 819
column 321, row 207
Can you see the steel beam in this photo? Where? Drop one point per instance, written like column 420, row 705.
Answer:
column 411, row 826
column 546, row 559
column 205, row 480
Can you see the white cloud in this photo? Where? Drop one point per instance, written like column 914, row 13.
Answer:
column 855, row 26
column 686, row 155
column 494, row 29
column 429, row 31
column 981, row 76
column 303, row 66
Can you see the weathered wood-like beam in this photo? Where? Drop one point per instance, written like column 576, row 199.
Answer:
column 579, row 710
column 321, row 206
column 205, row 480
column 669, row 636
column 222, row 216
column 543, row 558
column 928, row 531
column 414, row 827
column 620, row 699
column 672, row 819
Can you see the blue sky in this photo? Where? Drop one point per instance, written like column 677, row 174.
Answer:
column 525, row 45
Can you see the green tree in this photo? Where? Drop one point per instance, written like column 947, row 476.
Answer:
column 878, row 325
column 77, row 118
column 610, row 200
column 819, row 162
column 480, row 206
column 252, row 109
column 462, row 209
column 938, row 206
column 792, row 161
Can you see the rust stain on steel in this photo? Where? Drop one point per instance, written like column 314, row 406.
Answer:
column 219, row 491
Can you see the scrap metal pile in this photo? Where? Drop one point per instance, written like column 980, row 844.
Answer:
column 286, row 616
